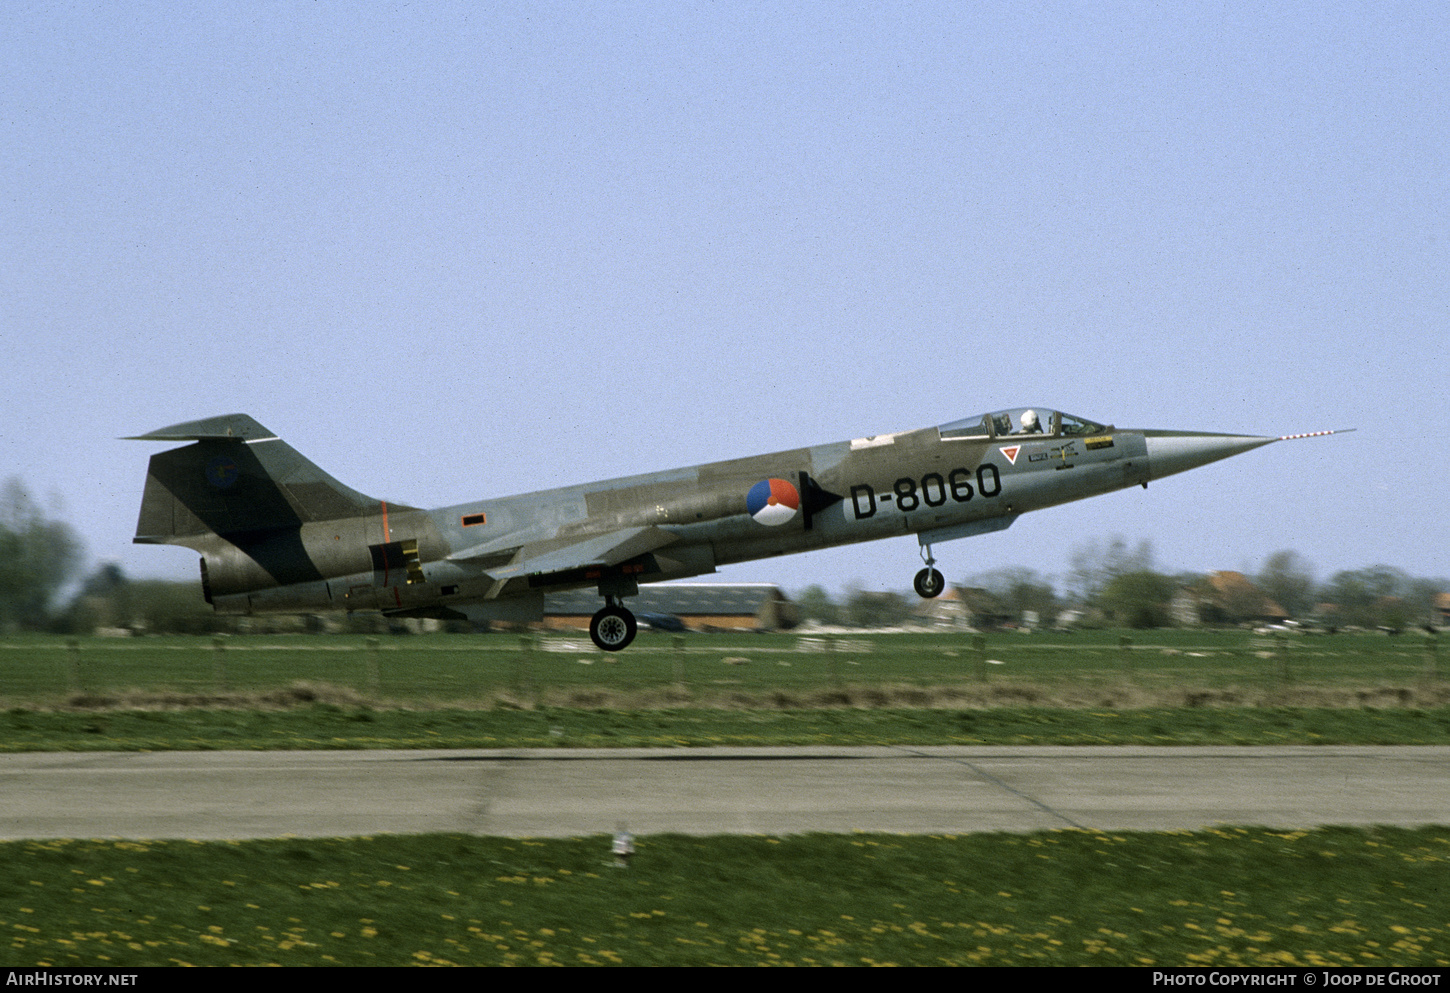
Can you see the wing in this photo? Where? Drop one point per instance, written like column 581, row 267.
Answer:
column 565, row 560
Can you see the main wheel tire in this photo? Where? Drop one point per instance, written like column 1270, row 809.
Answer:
column 929, row 583
column 612, row 629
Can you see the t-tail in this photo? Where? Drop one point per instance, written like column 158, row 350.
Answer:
column 249, row 502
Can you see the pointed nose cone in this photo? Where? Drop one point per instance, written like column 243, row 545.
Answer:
column 1179, row 451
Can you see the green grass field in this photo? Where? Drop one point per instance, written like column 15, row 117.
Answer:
column 450, row 691
column 326, row 726
column 1333, row 897
column 438, row 668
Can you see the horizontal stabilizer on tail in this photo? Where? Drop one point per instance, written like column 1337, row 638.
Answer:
column 237, row 427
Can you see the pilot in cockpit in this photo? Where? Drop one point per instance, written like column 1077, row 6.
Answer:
column 1030, row 423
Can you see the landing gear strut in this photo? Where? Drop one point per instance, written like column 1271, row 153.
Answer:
column 613, row 627
column 929, row 582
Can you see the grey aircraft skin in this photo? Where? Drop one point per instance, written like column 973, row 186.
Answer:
column 277, row 534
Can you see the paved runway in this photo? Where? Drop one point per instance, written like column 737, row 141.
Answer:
column 566, row 792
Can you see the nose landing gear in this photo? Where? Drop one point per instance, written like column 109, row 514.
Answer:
column 929, row 582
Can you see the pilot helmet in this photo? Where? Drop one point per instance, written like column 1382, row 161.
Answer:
column 1029, row 420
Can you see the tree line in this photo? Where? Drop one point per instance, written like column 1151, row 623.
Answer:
column 1107, row 584
column 1113, row 584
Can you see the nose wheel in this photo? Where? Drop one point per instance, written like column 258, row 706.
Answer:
column 612, row 628
column 929, row 582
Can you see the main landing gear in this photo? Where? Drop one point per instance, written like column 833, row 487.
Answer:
column 929, row 582
column 613, row 627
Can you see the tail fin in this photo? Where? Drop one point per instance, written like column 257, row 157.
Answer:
column 238, row 479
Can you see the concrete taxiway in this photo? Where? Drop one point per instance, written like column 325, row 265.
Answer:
column 568, row 792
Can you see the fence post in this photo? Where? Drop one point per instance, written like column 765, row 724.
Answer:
column 375, row 668
column 219, row 661
column 1278, row 646
column 73, row 669
column 1125, row 653
column 524, row 665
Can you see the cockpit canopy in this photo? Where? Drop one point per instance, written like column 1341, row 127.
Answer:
column 1021, row 421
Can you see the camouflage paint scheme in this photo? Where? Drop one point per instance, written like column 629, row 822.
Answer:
column 276, row 533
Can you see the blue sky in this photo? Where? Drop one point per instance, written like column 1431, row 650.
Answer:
column 451, row 252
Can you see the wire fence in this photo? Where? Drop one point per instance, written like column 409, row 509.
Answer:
column 532, row 666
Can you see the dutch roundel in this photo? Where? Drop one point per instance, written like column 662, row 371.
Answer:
column 772, row 501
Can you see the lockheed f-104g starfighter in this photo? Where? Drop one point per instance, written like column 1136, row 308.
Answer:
column 277, row 534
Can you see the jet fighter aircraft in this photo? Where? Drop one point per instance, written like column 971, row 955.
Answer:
column 277, row 534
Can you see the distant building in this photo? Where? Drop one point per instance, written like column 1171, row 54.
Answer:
column 963, row 607
column 1224, row 597
column 985, row 609
column 946, row 611
column 1186, row 608
column 699, row 606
